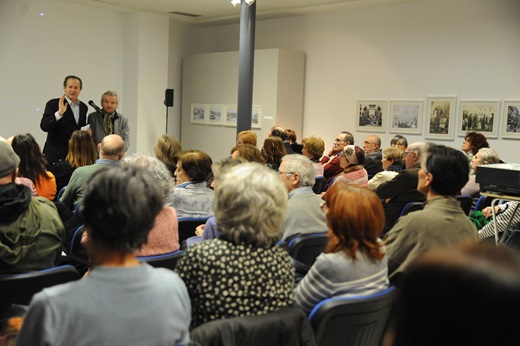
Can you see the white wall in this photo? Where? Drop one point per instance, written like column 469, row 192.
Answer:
column 409, row 50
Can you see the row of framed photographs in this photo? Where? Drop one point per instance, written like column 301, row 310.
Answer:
column 217, row 114
column 441, row 118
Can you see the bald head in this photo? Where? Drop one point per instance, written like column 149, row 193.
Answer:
column 371, row 143
column 111, row 147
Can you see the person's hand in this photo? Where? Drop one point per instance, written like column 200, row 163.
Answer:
column 331, row 152
column 199, row 230
column 487, row 212
column 89, row 131
column 62, row 105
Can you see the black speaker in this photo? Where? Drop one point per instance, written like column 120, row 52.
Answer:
column 168, row 98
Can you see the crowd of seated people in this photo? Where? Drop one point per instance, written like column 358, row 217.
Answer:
column 236, row 268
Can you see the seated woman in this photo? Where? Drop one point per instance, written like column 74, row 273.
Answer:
column 164, row 236
column 33, row 165
column 191, row 197
column 242, row 273
column 392, row 164
column 82, row 152
column 473, row 142
column 355, row 262
column 352, row 161
column 273, row 151
column 248, row 152
column 484, row 156
column 313, row 148
column 167, row 149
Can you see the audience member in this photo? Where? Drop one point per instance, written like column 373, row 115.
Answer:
column 355, row 262
column 111, row 151
column 110, row 122
column 82, row 152
column 442, row 223
column 242, row 273
column 330, row 161
column 31, row 232
column 191, row 197
column 248, row 152
column 61, row 117
column 313, row 148
column 505, row 215
column 373, row 155
column 304, row 214
column 473, row 142
column 246, row 137
column 164, row 236
column 273, row 151
column 403, row 187
column 292, row 138
column 33, row 165
column 399, row 142
column 166, row 150
column 448, row 294
column 122, row 301
column 352, row 163
column 278, row 131
column 484, row 156
column 392, row 164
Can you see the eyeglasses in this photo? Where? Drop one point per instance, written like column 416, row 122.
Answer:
column 337, row 140
column 367, row 142
column 408, row 152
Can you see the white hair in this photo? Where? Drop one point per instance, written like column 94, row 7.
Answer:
column 296, row 163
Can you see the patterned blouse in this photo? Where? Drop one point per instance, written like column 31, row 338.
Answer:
column 226, row 280
column 193, row 199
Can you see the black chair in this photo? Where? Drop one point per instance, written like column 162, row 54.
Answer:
column 20, row 288
column 187, row 226
column 412, row 206
column 319, row 185
column 483, row 202
column 305, row 248
column 465, row 201
column 75, row 244
column 359, row 321
column 168, row 260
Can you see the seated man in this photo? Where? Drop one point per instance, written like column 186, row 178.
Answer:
column 31, row 232
column 442, row 222
column 304, row 214
column 403, row 187
column 373, row 155
column 330, row 161
column 122, row 301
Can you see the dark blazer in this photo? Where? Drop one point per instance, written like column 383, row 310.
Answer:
column 373, row 163
column 59, row 132
column 400, row 190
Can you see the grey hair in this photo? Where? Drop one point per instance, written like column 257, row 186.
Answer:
column 251, row 205
column 223, row 166
column 296, row 163
column 110, row 93
column 420, row 148
column 488, row 155
column 154, row 167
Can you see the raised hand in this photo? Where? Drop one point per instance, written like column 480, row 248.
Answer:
column 62, row 105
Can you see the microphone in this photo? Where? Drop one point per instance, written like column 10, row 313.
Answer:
column 95, row 107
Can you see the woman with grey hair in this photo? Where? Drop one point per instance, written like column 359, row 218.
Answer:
column 243, row 272
column 164, row 236
column 109, row 122
column 484, row 156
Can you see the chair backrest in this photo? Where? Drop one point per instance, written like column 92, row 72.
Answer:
column 60, row 193
column 483, row 202
column 411, row 206
column 168, row 260
column 465, row 201
column 20, row 288
column 75, row 244
column 359, row 321
column 306, row 247
column 319, row 185
column 187, row 226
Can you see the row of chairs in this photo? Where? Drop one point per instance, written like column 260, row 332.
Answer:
column 465, row 201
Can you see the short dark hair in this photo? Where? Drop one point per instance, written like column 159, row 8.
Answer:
column 399, row 140
column 119, row 207
column 73, row 77
column 348, row 137
column 196, row 164
column 279, row 132
column 449, row 167
column 477, row 141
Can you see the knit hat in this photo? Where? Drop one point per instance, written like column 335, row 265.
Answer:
column 8, row 159
column 354, row 154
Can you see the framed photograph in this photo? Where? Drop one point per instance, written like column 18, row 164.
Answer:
column 405, row 117
column 511, row 120
column 371, row 116
column 231, row 115
column 215, row 115
column 440, row 117
column 256, row 117
column 480, row 116
column 198, row 113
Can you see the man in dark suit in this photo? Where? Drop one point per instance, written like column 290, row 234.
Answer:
column 61, row 117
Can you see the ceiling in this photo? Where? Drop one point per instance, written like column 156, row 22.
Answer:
column 218, row 12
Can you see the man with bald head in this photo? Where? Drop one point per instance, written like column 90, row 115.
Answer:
column 111, row 151
column 373, row 155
